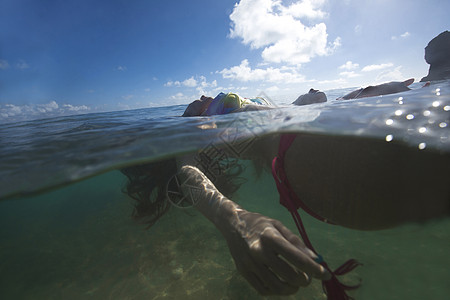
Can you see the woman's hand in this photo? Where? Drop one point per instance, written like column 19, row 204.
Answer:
column 272, row 259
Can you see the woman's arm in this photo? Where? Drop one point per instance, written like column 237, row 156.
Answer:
column 267, row 254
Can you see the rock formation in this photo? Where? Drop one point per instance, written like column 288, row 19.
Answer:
column 437, row 54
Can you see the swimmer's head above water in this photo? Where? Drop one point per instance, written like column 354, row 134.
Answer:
column 231, row 102
column 224, row 103
column 198, row 107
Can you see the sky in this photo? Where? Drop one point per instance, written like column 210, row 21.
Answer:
column 69, row 57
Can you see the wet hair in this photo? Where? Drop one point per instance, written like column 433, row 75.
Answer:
column 198, row 107
column 147, row 186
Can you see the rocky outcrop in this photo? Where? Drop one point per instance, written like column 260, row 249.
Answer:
column 437, row 54
column 314, row 96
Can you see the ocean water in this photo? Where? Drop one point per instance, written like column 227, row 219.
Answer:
column 66, row 230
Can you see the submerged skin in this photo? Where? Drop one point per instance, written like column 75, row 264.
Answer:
column 269, row 256
column 368, row 184
column 358, row 183
column 355, row 183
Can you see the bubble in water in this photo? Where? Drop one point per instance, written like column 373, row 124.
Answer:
column 422, row 130
column 389, row 122
column 398, row 112
column 436, row 104
column 426, row 113
column 443, row 125
column 410, row 117
column 389, row 138
column 447, row 108
column 422, row 146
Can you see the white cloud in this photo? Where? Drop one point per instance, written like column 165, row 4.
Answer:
column 349, row 66
column 309, row 9
column 204, row 85
column 334, row 82
column 405, row 35
column 22, row 64
column 245, row 73
column 200, row 83
column 13, row 113
column 402, row 36
column 4, row 64
column 178, row 96
column 127, row 97
column 213, row 83
column 390, row 75
column 172, row 83
column 349, row 74
column 272, row 89
column 191, row 82
column 121, row 68
column 371, row 68
column 358, row 29
column 71, row 107
column 49, row 107
column 278, row 29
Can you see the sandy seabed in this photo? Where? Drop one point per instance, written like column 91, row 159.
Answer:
column 79, row 242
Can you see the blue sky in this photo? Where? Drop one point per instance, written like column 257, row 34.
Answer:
column 64, row 57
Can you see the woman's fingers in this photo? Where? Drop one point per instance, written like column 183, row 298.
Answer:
column 292, row 237
column 302, row 259
column 287, row 272
column 272, row 282
column 271, row 257
column 266, row 278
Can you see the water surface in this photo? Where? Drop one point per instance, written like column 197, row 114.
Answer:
column 66, row 230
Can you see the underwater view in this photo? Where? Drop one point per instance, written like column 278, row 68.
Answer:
column 80, row 243
column 67, row 231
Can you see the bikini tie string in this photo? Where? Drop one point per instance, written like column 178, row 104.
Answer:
column 333, row 288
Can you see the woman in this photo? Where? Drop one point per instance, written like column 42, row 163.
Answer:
column 356, row 183
column 225, row 104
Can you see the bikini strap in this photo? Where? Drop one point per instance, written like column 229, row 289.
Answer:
column 288, row 198
column 333, row 288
